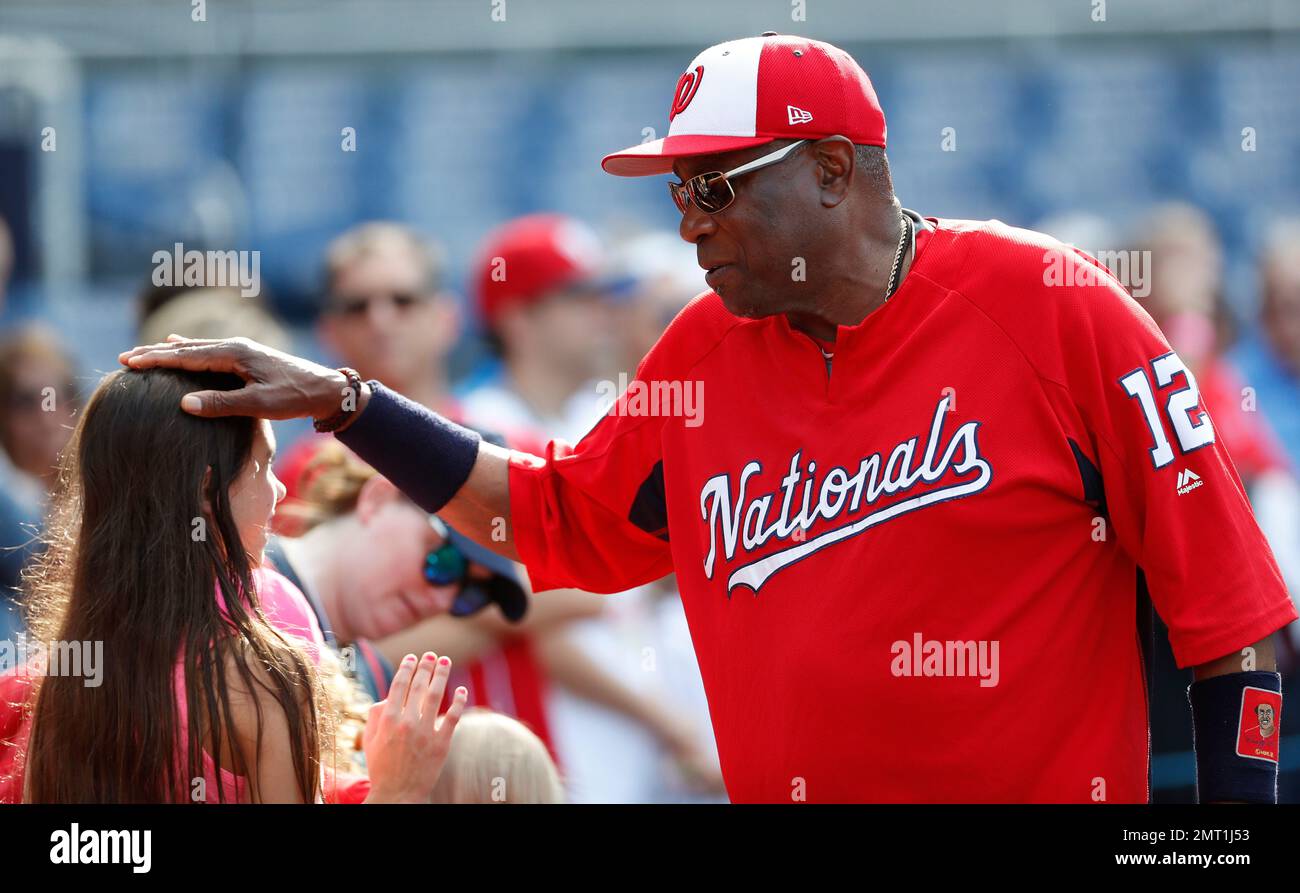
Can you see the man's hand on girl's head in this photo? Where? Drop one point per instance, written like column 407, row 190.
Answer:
column 277, row 385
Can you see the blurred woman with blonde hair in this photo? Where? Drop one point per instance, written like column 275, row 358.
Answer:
column 496, row 759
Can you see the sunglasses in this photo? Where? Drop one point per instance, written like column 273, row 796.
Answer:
column 445, row 565
column 448, row 566
column 356, row 307
column 712, row 192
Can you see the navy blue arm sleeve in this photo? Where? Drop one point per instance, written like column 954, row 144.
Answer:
column 426, row 456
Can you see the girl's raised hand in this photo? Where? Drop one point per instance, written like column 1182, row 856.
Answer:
column 406, row 742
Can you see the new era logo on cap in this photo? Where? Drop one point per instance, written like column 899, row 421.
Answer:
column 748, row 92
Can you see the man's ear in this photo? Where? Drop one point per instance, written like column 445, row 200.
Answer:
column 835, row 165
column 375, row 494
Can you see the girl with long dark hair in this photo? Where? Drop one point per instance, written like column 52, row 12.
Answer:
column 154, row 547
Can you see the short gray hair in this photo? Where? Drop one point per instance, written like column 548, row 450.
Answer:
column 873, row 166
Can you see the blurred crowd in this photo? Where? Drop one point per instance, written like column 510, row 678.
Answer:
column 598, row 698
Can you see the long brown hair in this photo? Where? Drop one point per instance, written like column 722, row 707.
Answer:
column 123, row 565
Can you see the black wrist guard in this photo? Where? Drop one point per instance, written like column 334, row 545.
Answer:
column 1236, row 720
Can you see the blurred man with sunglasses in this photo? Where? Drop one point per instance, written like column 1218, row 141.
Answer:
column 386, row 312
column 923, row 440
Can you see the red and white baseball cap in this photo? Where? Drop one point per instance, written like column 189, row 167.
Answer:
column 531, row 257
column 748, row 92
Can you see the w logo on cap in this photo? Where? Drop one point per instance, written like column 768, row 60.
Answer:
column 798, row 115
column 687, row 84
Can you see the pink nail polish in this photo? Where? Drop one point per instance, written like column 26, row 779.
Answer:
column 444, row 661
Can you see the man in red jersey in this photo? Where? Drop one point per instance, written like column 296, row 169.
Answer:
column 952, row 436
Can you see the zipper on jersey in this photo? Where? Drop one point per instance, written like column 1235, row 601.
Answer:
column 824, row 357
column 828, row 357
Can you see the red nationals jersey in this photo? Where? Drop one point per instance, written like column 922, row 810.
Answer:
column 915, row 577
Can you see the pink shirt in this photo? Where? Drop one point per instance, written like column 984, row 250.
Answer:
column 287, row 609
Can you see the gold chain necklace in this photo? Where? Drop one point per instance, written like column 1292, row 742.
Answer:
column 898, row 256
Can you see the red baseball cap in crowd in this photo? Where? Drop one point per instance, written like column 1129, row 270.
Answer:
column 532, row 257
column 748, row 92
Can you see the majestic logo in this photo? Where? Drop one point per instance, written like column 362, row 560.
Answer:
column 1188, row 481
column 743, row 519
column 798, row 115
column 687, row 85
